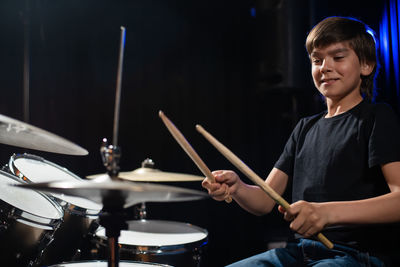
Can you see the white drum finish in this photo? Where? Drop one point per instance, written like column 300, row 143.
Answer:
column 79, row 213
column 158, row 234
column 28, row 222
column 34, row 169
column 168, row 242
column 33, row 204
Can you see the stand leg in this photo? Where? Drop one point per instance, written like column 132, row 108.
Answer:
column 113, row 222
column 113, row 252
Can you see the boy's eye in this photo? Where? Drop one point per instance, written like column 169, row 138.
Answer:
column 338, row 57
column 315, row 60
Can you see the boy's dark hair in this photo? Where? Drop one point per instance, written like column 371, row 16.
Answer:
column 358, row 35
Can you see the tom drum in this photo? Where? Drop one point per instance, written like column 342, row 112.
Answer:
column 28, row 222
column 79, row 213
column 167, row 242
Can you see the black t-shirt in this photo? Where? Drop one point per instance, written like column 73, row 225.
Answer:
column 339, row 159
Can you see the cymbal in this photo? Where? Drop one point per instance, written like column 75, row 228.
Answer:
column 153, row 175
column 133, row 192
column 21, row 134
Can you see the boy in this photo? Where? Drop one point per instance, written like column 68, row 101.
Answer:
column 343, row 164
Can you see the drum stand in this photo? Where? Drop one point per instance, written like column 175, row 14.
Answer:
column 113, row 215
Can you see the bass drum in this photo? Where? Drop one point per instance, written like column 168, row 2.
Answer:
column 167, row 242
column 105, row 264
column 80, row 214
column 28, row 222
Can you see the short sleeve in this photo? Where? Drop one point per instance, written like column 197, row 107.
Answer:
column 285, row 162
column 384, row 142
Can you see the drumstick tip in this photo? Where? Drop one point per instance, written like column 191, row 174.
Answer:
column 198, row 127
column 160, row 113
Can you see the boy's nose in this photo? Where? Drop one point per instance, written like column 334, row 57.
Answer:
column 326, row 66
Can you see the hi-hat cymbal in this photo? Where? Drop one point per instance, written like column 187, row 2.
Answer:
column 133, row 193
column 153, row 175
column 21, row 134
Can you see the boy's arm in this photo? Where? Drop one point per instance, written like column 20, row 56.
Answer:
column 310, row 218
column 255, row 200
column 382, row 209
column 249, row 197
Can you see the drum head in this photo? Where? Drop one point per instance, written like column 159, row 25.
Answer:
column 29, row 202
column 38, row 170
column 105, row 264
column 157, row 233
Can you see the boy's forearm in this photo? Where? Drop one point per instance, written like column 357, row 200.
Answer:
column 381, row 209
column 253, row 199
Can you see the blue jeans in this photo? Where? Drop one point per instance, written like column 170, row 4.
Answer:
column 308, row 252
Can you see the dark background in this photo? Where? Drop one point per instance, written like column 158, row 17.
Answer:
column 238, row 68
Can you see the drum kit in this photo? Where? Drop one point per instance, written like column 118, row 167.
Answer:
column 51, row 217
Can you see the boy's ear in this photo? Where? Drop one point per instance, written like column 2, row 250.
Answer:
column 367, row 68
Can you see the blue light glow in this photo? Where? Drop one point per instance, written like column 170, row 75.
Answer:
column 384, row 45
column 389, row 44
column 253, row 12
column 394, row 34
column 372, row 33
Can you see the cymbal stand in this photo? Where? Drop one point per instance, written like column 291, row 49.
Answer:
column 110, row 155
column 113, row 217
column 140, row 209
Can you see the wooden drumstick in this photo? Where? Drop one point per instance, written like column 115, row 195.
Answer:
column 253, row 176
column 189, row 150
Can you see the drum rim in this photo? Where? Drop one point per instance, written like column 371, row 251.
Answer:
column 18, row 213
column 171, row 222
column 14, row 157
column 165, row 249
column 72, row 208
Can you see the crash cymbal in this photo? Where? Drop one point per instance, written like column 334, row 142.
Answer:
column 134, row 193
column 21, row 134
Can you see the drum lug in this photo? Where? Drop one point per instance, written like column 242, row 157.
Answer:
column 47, row 238
column 4, row 220
column 6, row 168
column 3, row 227
column 77, row 255
column 140, row 211
column 196, row 256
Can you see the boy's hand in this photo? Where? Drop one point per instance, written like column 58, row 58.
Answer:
column 226, row 183
column 306, row 218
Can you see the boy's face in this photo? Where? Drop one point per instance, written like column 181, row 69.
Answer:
column 336, row 71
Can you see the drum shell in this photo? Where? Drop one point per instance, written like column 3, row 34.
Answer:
column 22, row 244
column 25, row 236
column 189, row 254
column 79, row 217
column 70, row 239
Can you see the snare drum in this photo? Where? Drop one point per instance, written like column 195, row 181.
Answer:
column 167, row 242
column 79, row 213
column 28, row 221
column 105, row 264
